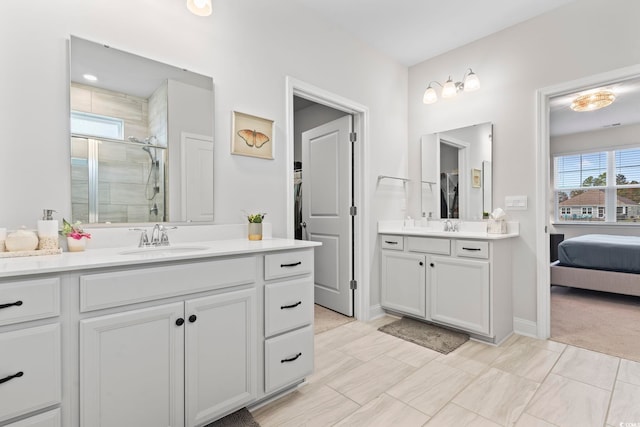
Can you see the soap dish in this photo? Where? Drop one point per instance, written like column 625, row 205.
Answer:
column 35, row 252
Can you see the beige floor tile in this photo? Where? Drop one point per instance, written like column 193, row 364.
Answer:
column 565, row 402
column 385, row 411
column 545, row 344
column 527, row 360
column 625, row 404
column 588, row 367
column 317, row 406
column 370, row 346
column 381, row 321
column 527, row 420
column 431, row 387
column 454, row 415
column 479, row 351
column 370, row 379
column 412, row 354
column 498, row 396
column 629, row 372
column 335, row 338
column 331, row 364
column 471, row 366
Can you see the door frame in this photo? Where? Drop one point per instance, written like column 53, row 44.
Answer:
column 543, row 190
column 360, row 113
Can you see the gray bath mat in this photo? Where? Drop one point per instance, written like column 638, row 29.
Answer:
column 434, row 337
column 240, row 418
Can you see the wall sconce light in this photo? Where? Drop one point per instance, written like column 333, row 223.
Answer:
column 450, row 89
column 199, row 7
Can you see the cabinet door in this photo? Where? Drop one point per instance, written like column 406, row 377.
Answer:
column 132, row 368
column 403, row 283
column 459, row 293
column 221, row 354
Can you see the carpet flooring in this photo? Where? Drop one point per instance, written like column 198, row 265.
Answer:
column 325, row 319
column 425, row 334
column 599, row 321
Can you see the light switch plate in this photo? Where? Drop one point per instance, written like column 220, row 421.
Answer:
column 515, row 203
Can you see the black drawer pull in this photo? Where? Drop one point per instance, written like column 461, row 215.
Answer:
column 17, row 304
column 180, row 321
column 291, row 265
column 193, row 318
column 282, row 307
column 10, row 377
column 291, row 359
column 390, row 242
column 471, row 249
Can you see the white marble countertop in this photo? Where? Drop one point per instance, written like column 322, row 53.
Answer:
column 130, row 255
column 468, row 230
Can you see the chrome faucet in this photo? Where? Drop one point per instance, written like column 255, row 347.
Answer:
column 159, row 236
column 448, row 225
column 155, row 235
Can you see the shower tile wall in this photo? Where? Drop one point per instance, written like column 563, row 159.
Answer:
column 123, row 169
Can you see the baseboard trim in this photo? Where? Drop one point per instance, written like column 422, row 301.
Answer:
column 376, row 311
column 525, row 327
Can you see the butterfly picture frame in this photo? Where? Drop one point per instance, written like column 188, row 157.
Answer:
column 252, row 136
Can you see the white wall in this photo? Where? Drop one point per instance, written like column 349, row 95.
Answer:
column 577, row 40
column 248, row 46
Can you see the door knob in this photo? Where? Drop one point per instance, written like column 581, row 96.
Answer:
column 303, row 224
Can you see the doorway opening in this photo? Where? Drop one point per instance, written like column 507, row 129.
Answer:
column 330, row 173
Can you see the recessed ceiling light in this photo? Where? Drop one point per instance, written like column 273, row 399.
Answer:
column 90, row 77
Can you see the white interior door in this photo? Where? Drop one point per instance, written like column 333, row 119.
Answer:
column 197, row 178
column 326, row 199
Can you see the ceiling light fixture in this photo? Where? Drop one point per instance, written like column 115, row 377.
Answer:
column 90, row 77
column 593, row 101
column 450, row 89
column 199, row 7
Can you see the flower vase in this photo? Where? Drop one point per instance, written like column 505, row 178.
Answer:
column 255, row 231
column 76, row 245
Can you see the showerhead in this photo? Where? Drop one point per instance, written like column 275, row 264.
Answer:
column 148, row 140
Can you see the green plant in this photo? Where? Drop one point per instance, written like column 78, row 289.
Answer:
column 73, row 230
column 256, row 218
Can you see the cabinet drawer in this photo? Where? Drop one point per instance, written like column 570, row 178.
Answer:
column 287, row 306
column 288, row 358
column 30, row 365
column 103, row 290
column 29, row 300
column 429, row 244
column 392, row 242
column 472, row 249
column 47, row 419
column 287, row 264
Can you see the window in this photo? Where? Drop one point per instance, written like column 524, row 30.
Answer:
column 585, row 183
column 88, row 124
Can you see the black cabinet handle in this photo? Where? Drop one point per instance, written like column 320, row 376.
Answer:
column 282, row 307
column 471, row 249
column 291, row 265
column 180, row 321
column 10, row 377
column 17, row 304
column 389, row 242
column 421, row 263
column 432, row 265
column 192, row 318
column 291, row 359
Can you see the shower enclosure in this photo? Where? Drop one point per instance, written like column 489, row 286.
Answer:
column 117, row 181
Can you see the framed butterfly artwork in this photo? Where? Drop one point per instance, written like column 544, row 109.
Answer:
column 252, row 136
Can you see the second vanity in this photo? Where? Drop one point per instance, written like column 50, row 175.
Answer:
column 457, row 279
column 147, row 338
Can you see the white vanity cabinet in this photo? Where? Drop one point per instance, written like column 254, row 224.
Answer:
column 30, row 348
column 182, row 363
column 457, row 282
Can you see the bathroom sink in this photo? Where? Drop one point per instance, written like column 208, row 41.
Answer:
column 163, row 250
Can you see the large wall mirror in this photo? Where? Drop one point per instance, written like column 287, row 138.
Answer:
column 141, row 138
column 456, row 173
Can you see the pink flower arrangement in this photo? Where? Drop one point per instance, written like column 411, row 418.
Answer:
column 73, row 230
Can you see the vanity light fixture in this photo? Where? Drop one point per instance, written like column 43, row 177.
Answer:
column 593, row 101
column 450, row 89
column 199, row 7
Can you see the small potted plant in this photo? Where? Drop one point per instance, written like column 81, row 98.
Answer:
column 485, row 215
column 255, row 226
column 75, row 236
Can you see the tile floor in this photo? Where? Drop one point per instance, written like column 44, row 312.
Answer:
column 364, row 377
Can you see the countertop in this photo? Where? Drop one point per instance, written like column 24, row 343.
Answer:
column 468, row 230
column 125, row 256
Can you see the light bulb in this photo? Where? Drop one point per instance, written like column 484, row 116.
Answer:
column 199, row 7
column 449, row 89
column 430, row 96
column 472, row 82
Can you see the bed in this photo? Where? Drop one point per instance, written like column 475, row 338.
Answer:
column 599, row 262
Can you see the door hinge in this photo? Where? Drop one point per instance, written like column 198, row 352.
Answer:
column 353, row 284
column 353, row 137
column 353, row 211
column 545, row 229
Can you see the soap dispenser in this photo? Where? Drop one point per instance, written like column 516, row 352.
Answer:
column 48, row 231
